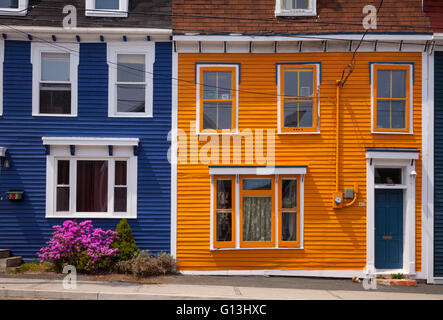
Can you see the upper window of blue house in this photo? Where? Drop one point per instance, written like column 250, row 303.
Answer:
column 14, row 7
column 107, row 8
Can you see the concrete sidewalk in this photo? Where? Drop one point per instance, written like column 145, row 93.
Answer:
column 94, row 290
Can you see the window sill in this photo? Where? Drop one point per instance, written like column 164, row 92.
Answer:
column 264, row 248
column 53, row 115
column 296, row 13
column 89, row 216
column 106, row 14
column 13, row 12
column 125, row 115
column 392, row 132
column 298, row 132
column 228, row 133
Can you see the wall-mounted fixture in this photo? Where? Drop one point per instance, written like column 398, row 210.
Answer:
column 4, row 162
column 15, row 195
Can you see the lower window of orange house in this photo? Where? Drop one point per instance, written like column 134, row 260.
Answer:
column 258, row 211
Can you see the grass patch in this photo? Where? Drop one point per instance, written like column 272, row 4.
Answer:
column 34, row 266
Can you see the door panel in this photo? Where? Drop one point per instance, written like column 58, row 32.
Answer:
column 388, row 229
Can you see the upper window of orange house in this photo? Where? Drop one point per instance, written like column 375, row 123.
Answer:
column 296, row 8
column 392, row 98
column 217, row 96
column 298, row 102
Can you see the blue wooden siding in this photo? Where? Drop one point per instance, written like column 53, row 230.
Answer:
column 438, row 166
column 23, row 226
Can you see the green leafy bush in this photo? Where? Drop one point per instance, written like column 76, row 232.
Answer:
column 397, row 276
column 145, row 265
column 33, row 266
column 125, row 243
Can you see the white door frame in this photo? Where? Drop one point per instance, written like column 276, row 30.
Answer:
column 404, row 159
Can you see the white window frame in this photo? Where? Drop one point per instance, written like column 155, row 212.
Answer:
column 22, row 9
column 91, row 149
column 146, row 48
column 312, row 11
column 210, row 132
column 257, row 171
column 2, row 59
column 122, row 12
column 411, row 98
column 37, row 49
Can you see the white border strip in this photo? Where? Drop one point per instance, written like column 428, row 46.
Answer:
column 67, row 141
column 257, row 170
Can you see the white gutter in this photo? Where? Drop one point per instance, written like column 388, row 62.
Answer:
column 94, row 31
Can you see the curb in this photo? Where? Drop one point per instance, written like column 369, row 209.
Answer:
column 85, row 295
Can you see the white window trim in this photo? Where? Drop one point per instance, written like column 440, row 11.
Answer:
column 199, row 82
column 22, row 9
column 2, row 60
column 279, row 106
column 312, row 11
column 411, row 98
column 92, row 154
column 122, row 12
column 36, row 52
column 146, row 48
column 237, row 172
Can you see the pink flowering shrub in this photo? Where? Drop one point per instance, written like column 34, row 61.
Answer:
column 80, row 245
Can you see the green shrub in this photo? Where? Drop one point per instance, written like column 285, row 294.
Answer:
column 34, row 266
column 145, row 265
column 397, row 276
column 127, row 248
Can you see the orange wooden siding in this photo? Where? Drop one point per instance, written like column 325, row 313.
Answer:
column 333, row 239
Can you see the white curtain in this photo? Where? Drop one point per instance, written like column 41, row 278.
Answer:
column 257, row 218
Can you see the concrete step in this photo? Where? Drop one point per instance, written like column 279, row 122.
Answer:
column 5, row 253
column 10, row 262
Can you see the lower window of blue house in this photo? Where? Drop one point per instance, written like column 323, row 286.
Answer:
column 91, row 187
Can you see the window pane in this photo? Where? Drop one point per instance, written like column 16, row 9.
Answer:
column 383, row 84
column 120, row 199
column 289, row 226
column 55, row 98
column 224, row 115
column 388, row 176
column 107, row 4
column 302, row 4
column 398, row 115
column 306, row 84
column 131, row 68
column 120, row 173
column 257, row 184
column 257, row 218
column 210, row 85
column 224, row 85
column 291, row 84
column 383, row 114
column 210, row 115
column 131, row 98
column 62, row 199
column 92, row 186
column 55, row 67
column 291, row 113
column 13, row 4
column 224, row 194
column 305, row 114
column 63, row 172
column 398, row 84
column 289, row 194
column 224, row 226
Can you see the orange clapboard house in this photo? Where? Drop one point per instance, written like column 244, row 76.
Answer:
column 287, row 162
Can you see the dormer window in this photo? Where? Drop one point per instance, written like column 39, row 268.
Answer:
column 107, row 8
column 296, row 8
column 14, row 7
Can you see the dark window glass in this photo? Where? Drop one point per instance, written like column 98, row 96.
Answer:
column 131, row 98
column 55, row 67
column 55, row 98
column 92, row 186
column 120, row 173
column 388, row 176
column 298, row 113
column 131, row 68
column 398, row 110
column 210, row 115
column 257, row 184
column 120, row 199
column 289, row 226
column 383, row 114
column 107, row 4
column 62, row 199
column 289, row 194
column 224, row 226
column 224, row 194
column 10, row 4
column 63, row 172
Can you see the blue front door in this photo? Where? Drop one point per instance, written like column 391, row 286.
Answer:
column 388, row 229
